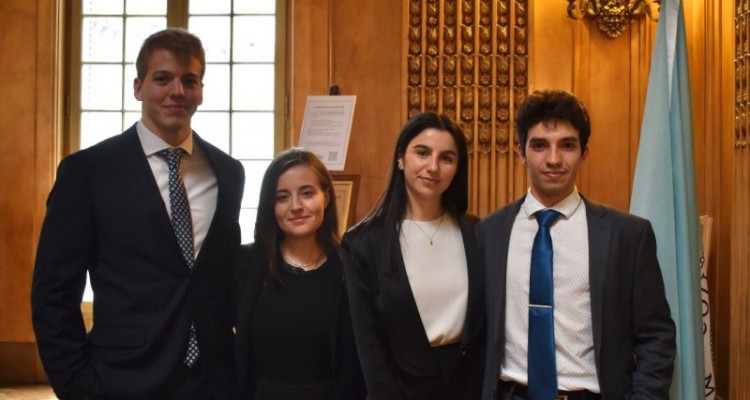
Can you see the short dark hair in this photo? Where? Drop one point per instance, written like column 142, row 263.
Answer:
column 391, row 208
column 268, row 235
column 549, row 106
column 177, row 41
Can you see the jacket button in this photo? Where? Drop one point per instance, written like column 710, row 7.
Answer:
column 463, row 353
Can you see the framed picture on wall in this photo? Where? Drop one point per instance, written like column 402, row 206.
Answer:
column 345, row 187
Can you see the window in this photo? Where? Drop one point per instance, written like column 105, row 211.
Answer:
column 242, row 110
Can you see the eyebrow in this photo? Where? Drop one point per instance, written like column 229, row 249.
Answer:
column 167, row 72
column 425, row 147
column 303, row 187
column 565, row 139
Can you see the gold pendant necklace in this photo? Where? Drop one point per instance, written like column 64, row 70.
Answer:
column 429, row 237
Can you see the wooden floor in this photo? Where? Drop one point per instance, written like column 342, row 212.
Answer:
column 33, row 392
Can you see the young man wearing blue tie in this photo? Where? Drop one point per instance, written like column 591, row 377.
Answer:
column 575, row 298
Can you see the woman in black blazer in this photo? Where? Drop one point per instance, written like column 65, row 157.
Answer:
column 414, row 281
column 294, row 335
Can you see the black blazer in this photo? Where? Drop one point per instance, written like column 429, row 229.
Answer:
column 250, row 276
column 396, row 357
column 634, row 335
column 105, row 215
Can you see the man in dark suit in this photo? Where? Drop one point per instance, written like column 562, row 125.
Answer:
column 609, row 334
column 152, row 215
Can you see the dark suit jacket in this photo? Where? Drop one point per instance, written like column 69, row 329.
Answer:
column 250, row 275
column 634, row 335
column 396, row 357
column 105, row 215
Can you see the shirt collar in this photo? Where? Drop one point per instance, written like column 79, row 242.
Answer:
column 153, row 144
column 566, row 206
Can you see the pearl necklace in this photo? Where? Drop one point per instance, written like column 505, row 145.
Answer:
column 303, row 267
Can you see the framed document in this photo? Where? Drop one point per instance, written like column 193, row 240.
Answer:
column 326, row 128
column 345, row 187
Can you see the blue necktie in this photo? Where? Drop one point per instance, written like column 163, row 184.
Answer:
column 182, row 224
column 542, row 368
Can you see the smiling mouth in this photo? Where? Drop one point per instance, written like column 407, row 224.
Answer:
column 554, row 174
column 429, row 180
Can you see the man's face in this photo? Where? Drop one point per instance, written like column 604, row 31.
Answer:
column 170, row 93
column 553, row 156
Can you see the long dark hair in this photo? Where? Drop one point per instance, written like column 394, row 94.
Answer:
column 390, row 210
column 268, row 235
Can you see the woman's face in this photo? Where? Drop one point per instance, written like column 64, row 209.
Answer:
column 300, row 202
column 429, row 164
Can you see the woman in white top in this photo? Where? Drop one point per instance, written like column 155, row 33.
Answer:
column 414, row 281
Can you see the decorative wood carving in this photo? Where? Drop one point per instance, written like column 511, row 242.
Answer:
column 739, row 286
column 468, row 59
column 611, row 16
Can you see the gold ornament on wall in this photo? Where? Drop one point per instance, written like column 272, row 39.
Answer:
column 612, row 16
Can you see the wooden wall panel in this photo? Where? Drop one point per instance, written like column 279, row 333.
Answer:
column 710, row 37
column 552, row 50
column 739, row 309
column 308, row 59
column 16, row 115
column 366, row 61
column 29, row 127
column 607, row 175
column 365, row 43
column 721, row 85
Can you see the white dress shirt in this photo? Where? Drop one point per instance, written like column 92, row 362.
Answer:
column 574, row 340
column 197, row 175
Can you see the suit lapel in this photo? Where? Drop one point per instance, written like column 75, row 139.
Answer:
column 219, row 196
column 138, row 180
column 600, row 232
column 402, row 312
column 496, row 262
column 222, row 200
column 250, row 283
column 473, row 324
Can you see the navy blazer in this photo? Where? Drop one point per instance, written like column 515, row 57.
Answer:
column 250, row 276
column 105, row 215
column 396, row 357
column 634, row 335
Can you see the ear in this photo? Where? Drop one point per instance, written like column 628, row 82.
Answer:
column 520, row 154
column 137, row 86
column 585, row 154
column 200, row 95
column 400, row 162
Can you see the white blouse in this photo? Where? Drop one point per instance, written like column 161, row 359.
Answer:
column 435, row 261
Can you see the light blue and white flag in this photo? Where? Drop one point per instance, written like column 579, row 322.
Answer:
column 664, row 192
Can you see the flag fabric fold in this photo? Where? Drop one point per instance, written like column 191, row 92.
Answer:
column 664, row 192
